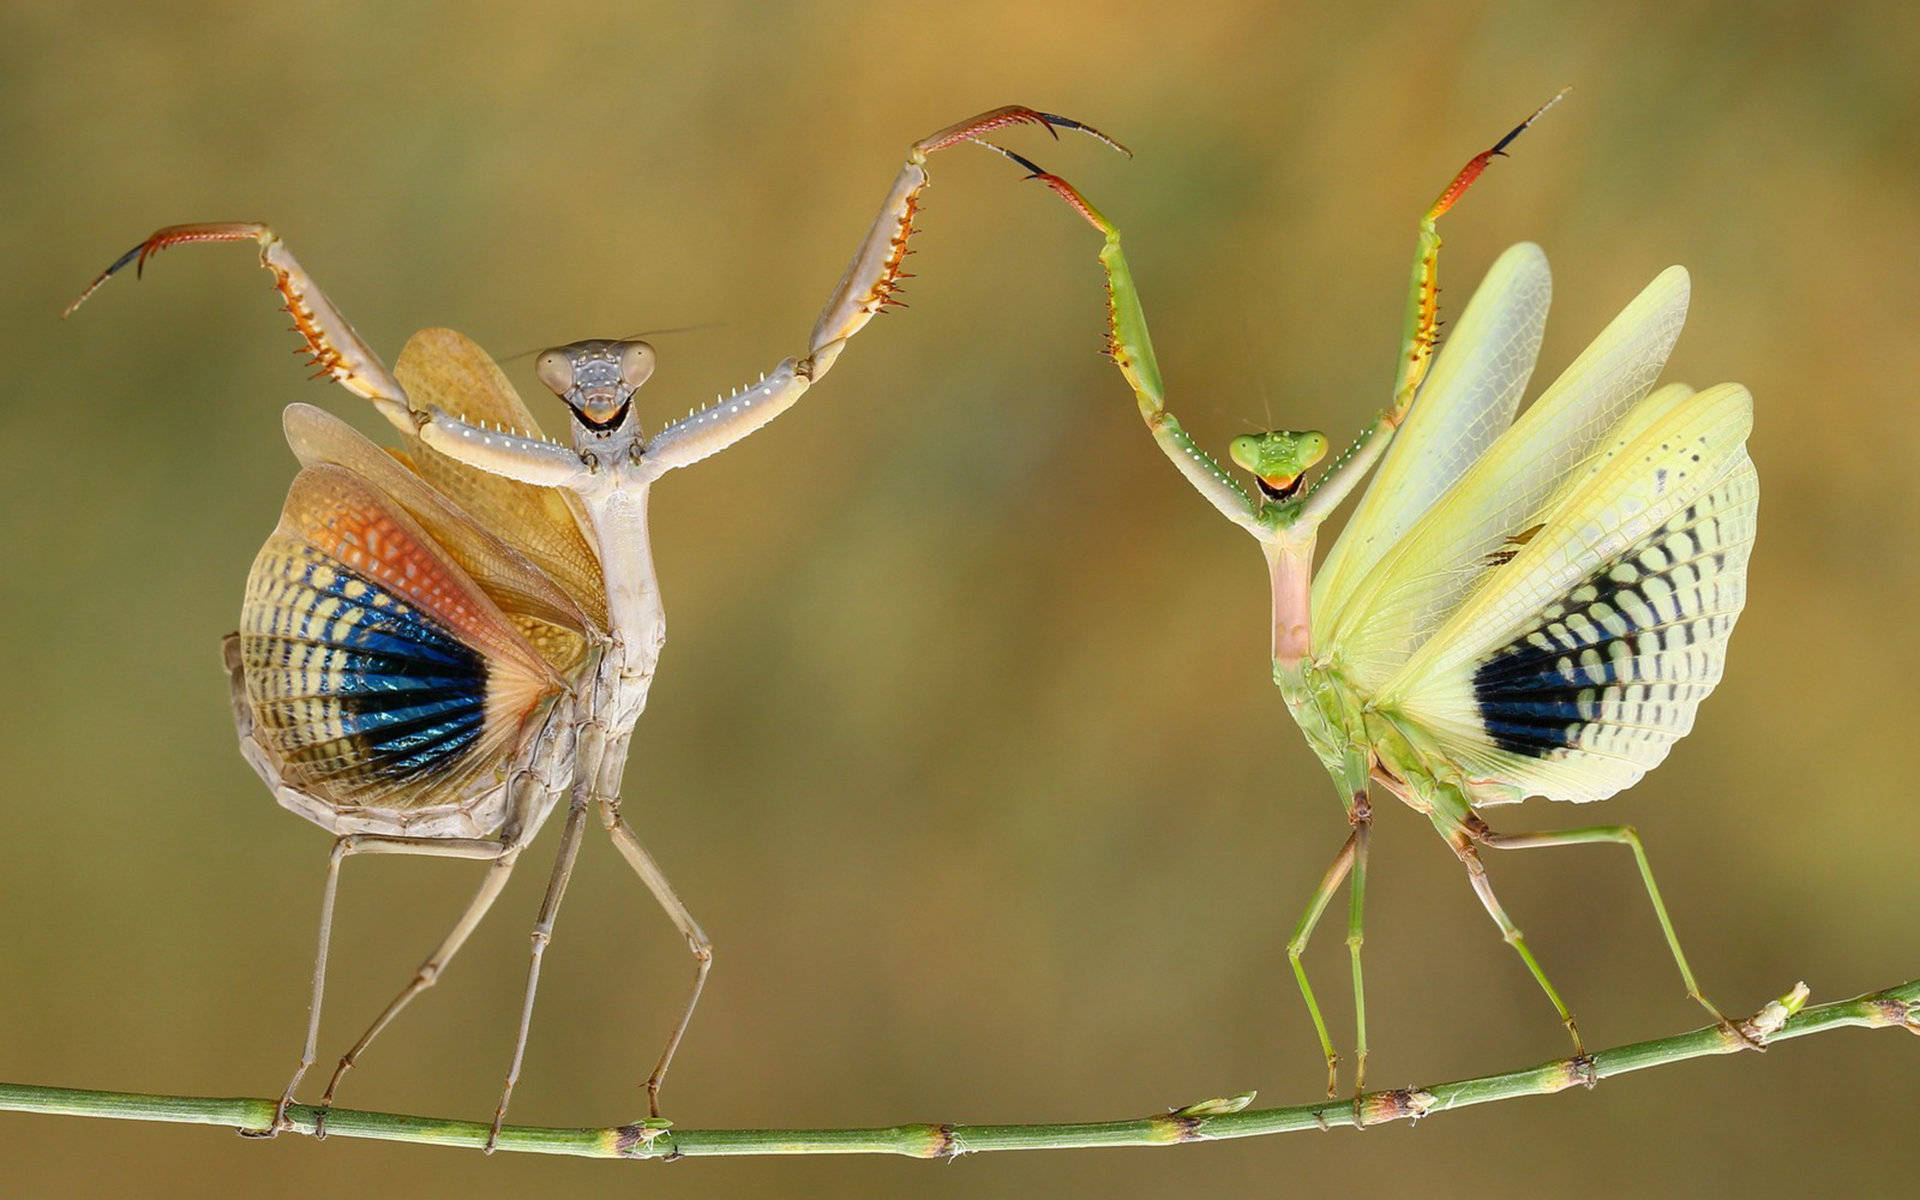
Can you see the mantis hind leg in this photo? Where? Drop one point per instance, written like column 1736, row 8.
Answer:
column 310, row 1047
column 472, row 848
column 1362, row 818
column 1352, row 859
column 429, row 971
column 1463, row 846
column 701, row 946
column 1626, row 836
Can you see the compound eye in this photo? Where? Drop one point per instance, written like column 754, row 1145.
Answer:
column 1245, row 452
column 555, row 371
column 1313, row 448
column 636, row 363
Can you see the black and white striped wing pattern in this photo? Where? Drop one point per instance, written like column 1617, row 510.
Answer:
column 1585, row 651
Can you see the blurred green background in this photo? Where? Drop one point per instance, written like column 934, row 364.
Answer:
column 962, row 747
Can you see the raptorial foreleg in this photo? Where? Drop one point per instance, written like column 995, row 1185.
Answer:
column 334, row 349
column 870, row 285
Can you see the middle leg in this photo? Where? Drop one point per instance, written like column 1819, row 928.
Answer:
column 1352, row 858
column 502, row 858
column 429, row 973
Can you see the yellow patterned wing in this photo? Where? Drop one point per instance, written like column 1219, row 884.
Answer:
column 1425, row 577
column 1586, row 648
column 1467, row 401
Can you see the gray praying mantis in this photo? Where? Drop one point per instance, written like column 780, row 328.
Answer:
column 1516, row 608
column 437, row 647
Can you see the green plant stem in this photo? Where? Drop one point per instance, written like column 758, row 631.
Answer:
column 1206, row 1121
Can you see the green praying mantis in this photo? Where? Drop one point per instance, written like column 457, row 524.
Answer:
column 1516, row 608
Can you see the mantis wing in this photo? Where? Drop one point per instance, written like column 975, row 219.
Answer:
column 1428, row 574
column 377, row 670
column 1466, row 402
column 1577, row 664
column 443, row 369
column 538, row 607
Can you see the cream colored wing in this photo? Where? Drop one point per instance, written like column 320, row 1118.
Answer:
column 1468, row 399
column 1428, row 574
column 1579, row 661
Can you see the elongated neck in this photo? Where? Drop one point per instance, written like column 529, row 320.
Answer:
column 634, row 612
column 1290, row 569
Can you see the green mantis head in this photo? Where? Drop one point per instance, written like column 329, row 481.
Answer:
column 1278, row 459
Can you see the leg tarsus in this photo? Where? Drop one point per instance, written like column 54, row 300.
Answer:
column 1584, row 1072
column 1739, row 1030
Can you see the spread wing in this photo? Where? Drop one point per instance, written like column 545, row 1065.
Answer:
column 1468, row 399
column 378, row 671
column 1423, row 578
column 444, row 369
column 1577, row 662
column 539, row 607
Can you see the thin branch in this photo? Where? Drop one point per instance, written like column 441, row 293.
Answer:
column 1209, row 1120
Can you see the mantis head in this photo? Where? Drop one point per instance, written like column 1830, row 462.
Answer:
column 1278, row 460
column 597, row 379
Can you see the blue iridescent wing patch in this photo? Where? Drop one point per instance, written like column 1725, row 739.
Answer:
column 377, row 670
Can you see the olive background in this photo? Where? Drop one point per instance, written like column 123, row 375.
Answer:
column 962, row 747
